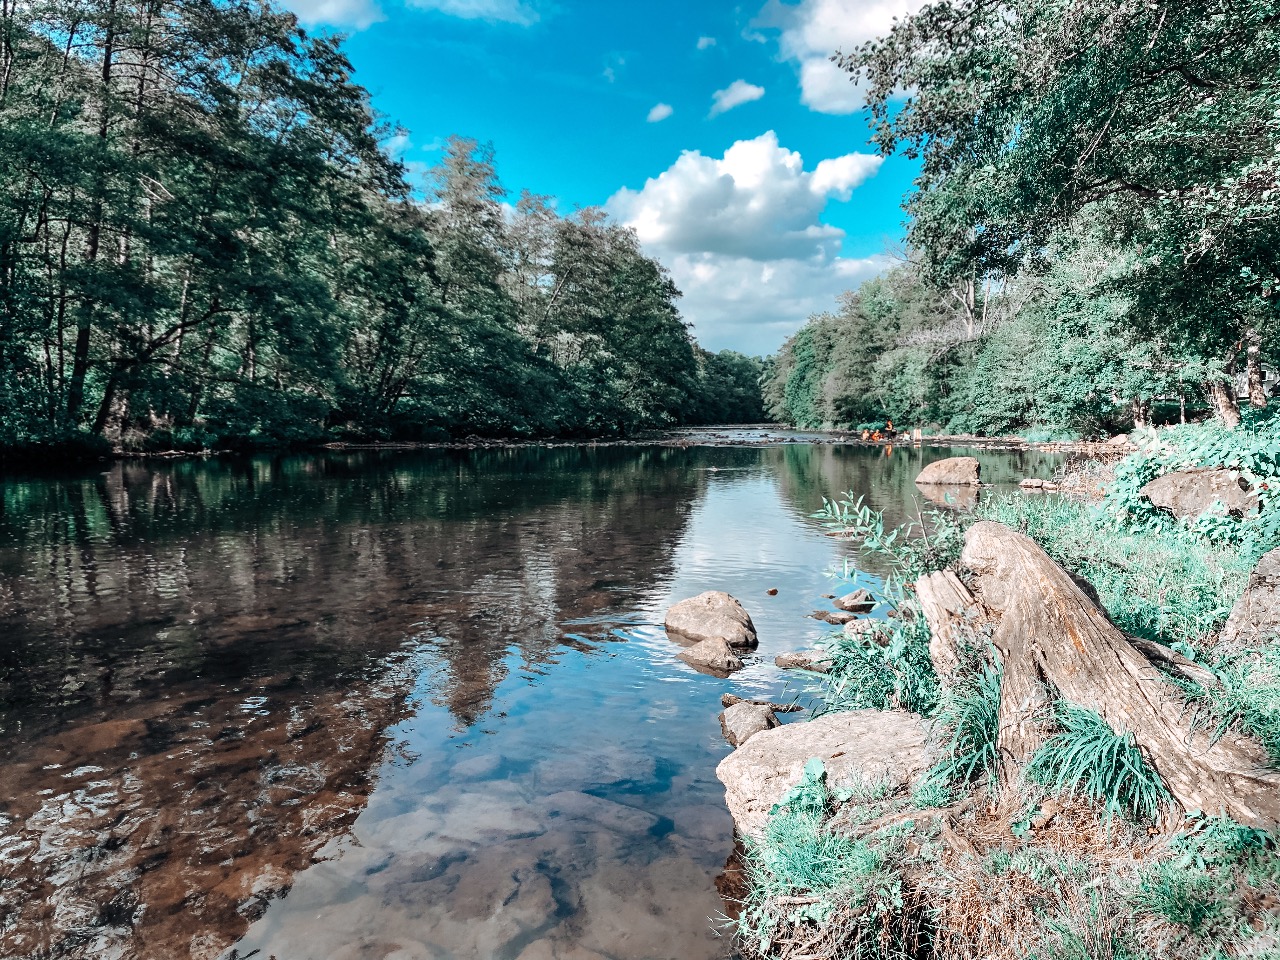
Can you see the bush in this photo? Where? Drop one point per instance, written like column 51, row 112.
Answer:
column 1089, row 758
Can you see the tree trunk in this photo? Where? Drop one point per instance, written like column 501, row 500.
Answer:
column 951, row 612
column 1052, row 638
column 1253, row 368
column 1223, row 396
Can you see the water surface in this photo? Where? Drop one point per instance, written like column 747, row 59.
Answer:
column 410, row 704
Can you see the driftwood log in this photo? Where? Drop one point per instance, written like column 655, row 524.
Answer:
column 1052, row 638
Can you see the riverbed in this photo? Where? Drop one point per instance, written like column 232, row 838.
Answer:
column 409, row 704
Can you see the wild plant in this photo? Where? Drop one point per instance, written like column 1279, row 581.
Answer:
column 969, row 715
column 1090, row 759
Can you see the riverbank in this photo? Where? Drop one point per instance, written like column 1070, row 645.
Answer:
column 91, row 450
column 1051, row 811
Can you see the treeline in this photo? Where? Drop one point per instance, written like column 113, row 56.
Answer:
column 204, row 244
column 1095, row 232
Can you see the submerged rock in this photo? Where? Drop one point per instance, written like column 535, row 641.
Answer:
column 836, row 617
column 1255, row 619
column 712, row 656
column 862, row 627
column 744, row 720
column 857, row 747
column 816, row 660
column 951, row 471
column 1189, row 493
column 860, row 601
column 713, row 615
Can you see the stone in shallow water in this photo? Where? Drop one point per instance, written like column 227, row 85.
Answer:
column 951, row 471
column 713, row 657
column 816, row 660
column 713, row 615
column 744, row 720
column 856, row 747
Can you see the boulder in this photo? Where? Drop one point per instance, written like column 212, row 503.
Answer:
column 1189, row 493
column 860, row 601
column 955, row 471
column 712, row 656
column 1255, row 619
column 1031, row 483
column 815, row 660
column 857, row 747
column 744, row 720
column 1120, row 439
column 713, row 615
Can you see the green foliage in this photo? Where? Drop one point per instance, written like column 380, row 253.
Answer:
column 833, row 874
column 1246, row 697
column 1087, row 757
column 1253, row 449
column 892, row 668
column 233, row 258
column 969, row 713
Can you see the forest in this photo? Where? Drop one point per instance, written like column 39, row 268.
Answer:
column 205, row 243
column 1094, row 235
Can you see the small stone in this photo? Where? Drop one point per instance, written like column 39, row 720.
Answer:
column 1031, row 483
column 744, row 720
column 816, row 661
column 712, row 656
column 837, row 617
column 860, row 601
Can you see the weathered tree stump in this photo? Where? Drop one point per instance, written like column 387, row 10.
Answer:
column 1052, row 638
column 950, row 610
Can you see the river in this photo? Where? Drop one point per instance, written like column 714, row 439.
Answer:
column 413, row 705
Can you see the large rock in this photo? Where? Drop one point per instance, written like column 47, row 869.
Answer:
column 857, row 747
column 1189, row 493
column 1255, row 619
column 713, row 615
column 712, row 656
column 953, row 471
column 742, row 721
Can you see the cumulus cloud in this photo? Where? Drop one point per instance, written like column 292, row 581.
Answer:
column 734, row 95
column 811, row 31
column 744, row 239
column 352, row 14
column 495, row 11
column 704, row 42
column 659, row 112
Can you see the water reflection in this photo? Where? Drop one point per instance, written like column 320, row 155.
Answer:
column 422, row 694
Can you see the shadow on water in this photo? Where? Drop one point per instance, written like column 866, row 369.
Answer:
column 369, row 704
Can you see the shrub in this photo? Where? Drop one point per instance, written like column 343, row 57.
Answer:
column 1089, row 758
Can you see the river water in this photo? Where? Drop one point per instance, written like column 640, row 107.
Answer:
column 397, row 705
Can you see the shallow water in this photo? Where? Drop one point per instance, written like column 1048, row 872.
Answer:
column 410, row 705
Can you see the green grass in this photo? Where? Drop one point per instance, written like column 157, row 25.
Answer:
column 969, row 714
column 1088, row 758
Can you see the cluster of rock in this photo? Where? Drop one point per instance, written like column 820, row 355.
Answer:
column 1029, row 605
column 717, row 626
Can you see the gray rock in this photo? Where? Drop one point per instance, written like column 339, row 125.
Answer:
column 1031, row 483
column 837, row 617
column 860, row 601
column 814, row 660
column 860, row 628
column 1189, row 493
column 744, row 720
column 712, row 656
column 713, row 615
column 951, row 471
column 1120, row 439
column 857, row 747
column 1255, row 619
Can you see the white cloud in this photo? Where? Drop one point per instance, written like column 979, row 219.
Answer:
column 811, row 31
column 704, row 42
column 734, row 95
column 659, row 112
column 353, row 14
column 744, row 239
column 495, row 11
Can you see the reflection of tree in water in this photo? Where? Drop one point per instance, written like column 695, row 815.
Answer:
column 198, row 660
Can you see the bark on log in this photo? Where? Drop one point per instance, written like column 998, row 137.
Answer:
column 950, row 610
column 1050, row 633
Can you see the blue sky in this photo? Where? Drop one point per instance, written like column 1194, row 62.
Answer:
column 717, row 130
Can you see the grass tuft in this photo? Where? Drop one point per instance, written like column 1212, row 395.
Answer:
column 1090, row 759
